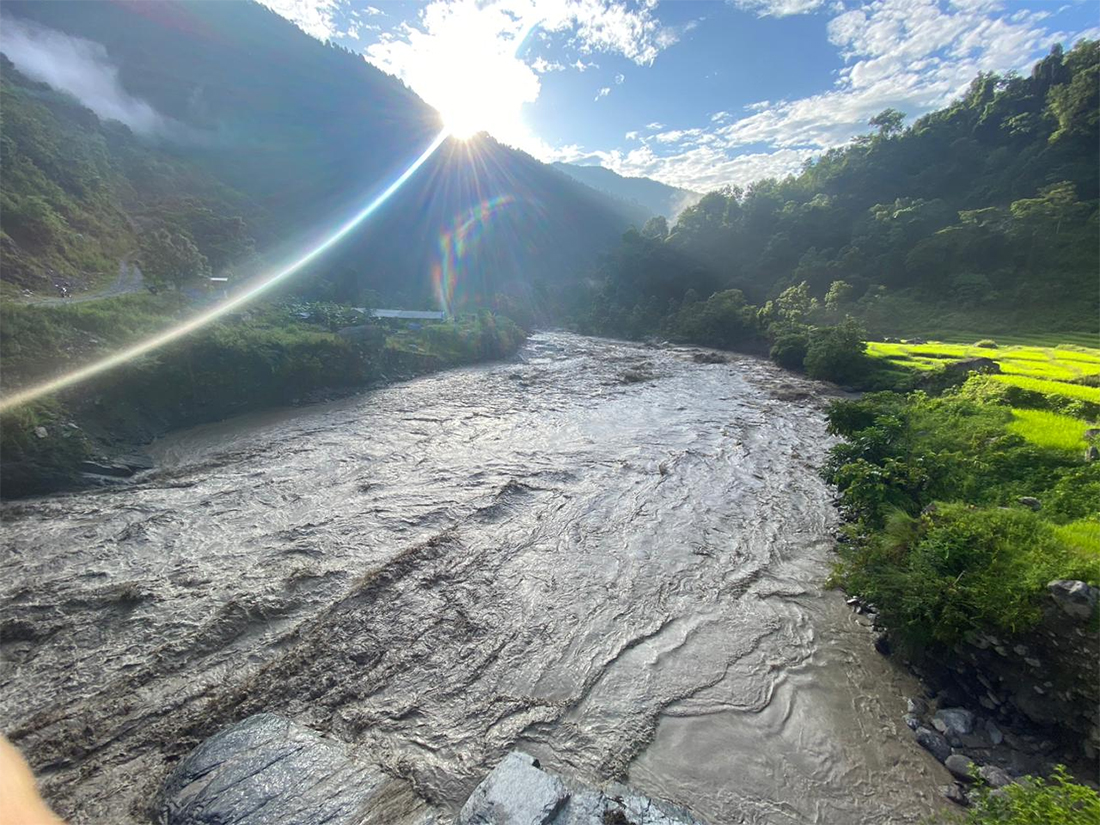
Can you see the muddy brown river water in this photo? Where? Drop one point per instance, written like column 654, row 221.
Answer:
column 624, row 579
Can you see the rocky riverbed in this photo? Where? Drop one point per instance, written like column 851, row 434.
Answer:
column 608, row 556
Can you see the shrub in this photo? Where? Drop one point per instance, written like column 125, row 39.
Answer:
column 957, row 568
column 986, row 343
column 789, row 350
column 1056, row 801
column 837, row 353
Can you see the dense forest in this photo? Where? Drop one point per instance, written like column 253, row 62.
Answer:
column 981, row 216
column 228, row 172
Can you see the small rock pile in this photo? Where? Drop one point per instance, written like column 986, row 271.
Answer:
column 1002, row 709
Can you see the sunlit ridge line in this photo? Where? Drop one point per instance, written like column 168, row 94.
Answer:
column 218, row 310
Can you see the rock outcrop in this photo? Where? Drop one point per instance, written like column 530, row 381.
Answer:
column 520, row 792
column 268, row 769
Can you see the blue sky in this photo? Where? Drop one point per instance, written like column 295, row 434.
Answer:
column 694, row 94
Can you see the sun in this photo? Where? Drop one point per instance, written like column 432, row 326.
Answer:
column 464, row 121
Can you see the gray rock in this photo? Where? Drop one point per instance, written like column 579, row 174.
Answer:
column 959, row 765
column 916, row 705
column 994, row 777
column 953, row 721
column 994, row 732
column 520, row 792
column 41, row 432
column 517, row 792
column 882, row 644
column 956, row 794
column 1030, row 502
column 1092, row 453
column 933, row 742
column 268, row 769
column 1075, row 598
column 912, row 721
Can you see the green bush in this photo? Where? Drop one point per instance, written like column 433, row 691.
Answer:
column 789, row 349
column 957, row 568
column 1056, row 801
column 986, row 343
column 837, row 353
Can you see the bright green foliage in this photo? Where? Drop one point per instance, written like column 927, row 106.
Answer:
column 1048, row 429
column 1078, row 391
column 932, row 484
column 1033, row 801
column 958, row 568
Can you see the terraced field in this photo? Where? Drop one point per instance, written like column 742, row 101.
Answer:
column 1059, row 375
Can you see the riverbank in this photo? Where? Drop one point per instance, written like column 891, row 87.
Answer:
column 972, row 539
column 272, row 355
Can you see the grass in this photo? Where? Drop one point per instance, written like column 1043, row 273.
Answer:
column 1048, row 370
column 1060, row 388
column 1082, row 535
column 1049, row 429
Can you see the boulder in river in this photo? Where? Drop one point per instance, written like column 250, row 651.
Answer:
column 933, row 742
column 960, row 766
column 520, row 792
column 268, row 769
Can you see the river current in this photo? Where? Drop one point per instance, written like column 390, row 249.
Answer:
column 609, row 555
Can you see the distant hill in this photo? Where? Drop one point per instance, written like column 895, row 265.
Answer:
column 656, row 198
column 265, row 138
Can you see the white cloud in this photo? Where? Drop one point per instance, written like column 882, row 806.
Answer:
column 314, row 17
column 914, row 55
column 83, row 69
column 619, row 78
column 655, row 126
column 604, row 92
column 778, row 8
column 542, row 65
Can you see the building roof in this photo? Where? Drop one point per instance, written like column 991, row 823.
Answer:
column 411, row 314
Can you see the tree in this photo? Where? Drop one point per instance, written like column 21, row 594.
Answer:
column 888, row 122
column 840, row 293
column 170, row 259
column 656, row 227
column 836, row 353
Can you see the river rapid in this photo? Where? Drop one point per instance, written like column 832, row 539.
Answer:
column 609, row 555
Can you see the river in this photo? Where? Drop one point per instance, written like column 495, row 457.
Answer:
column 622, row 577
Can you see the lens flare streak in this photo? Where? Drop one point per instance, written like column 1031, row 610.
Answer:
column 233, row 302
column 454, row 244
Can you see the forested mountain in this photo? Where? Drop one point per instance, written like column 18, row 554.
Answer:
column 262, row 139
column 983, row 213
column 655, row 197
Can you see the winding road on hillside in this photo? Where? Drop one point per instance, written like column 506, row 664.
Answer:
column 129, row 280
